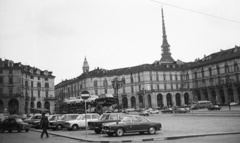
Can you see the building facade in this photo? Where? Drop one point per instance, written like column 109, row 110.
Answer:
column 23, row 88
column 165, row 82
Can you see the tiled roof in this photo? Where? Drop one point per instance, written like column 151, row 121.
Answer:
column 221, row 56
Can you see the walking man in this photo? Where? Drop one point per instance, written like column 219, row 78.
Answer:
column 44, row 123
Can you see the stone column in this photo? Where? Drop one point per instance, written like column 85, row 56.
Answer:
column 173, row 99
column 154, row 100
column 235, row 94
column 225, row 95
column 209, row 94
column 164, row 99
column 218, row 98
column 182, row 99
column 202, row 95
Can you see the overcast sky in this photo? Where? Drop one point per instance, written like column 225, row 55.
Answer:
column 56, row 35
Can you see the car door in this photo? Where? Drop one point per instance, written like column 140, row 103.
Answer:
column 88, row 117
column 12, row 124
column 136, row 124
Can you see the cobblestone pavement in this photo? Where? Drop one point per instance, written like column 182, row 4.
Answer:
column 198, row 123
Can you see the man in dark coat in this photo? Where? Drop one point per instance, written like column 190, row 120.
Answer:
column 44, row 123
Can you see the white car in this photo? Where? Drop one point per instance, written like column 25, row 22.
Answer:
column 233, row 104
column 92, row 98
column 154, row 111
column 80, row 122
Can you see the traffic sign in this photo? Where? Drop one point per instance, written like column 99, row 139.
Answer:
column 85, row 95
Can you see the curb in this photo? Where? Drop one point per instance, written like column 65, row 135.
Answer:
column 142, row 140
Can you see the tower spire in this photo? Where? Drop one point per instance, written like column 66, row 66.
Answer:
column 166, row 54
column 85, row 66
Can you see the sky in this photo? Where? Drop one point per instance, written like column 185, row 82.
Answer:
column 56, row 35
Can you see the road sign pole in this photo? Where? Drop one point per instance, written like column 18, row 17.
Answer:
column 86, row 118
column 85, row 95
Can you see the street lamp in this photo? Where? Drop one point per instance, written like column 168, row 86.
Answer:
column 117, row 84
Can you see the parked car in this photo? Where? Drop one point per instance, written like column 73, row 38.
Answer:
column 104, row 118
column 180, row 110
column 80, row 121
column 130, row 109
column 36, row 124
column 154, row 111
column 194, row 107
column 167, row 110
column 214, row 107
column 144, row 113
column 35, row 118
column 52, row 119
column 131, row 123
column 59, row 124
column 233, row 104
column 11, row 124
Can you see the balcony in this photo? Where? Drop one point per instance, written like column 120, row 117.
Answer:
column 49, row 99
column 33, row 98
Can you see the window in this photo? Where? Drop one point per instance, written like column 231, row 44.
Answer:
column 202, row 73
column 1, row 79
column 31, row 83
column 46, row 94
column 235, row 67
column 38, row 84
column 10, row 72
column 226, row 69
column 105, row 90
column 38, row 78
column 113, row 117
column 39, row 93
column 218, row 70
column 132, row 89
column 95, row 83
column 10, row 80
column 95, row 116
column 46, row 79
column 10, row 90
column 46, row 85
column 210, row 72
column 26, row 83
column 87, row 116
column 32, row 77
column 195, row 74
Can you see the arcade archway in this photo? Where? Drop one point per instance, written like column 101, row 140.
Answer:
column 133, row 102
column 125, row 102
column 178, row 99
column 169, row 99
column 13, row 106
column 160, row 100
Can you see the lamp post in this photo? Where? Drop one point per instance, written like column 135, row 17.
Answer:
column 117, row 84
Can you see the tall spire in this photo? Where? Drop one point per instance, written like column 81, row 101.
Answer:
column 166, row 55
column 85, row 66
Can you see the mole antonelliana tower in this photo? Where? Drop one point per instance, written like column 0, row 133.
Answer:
column 85, row 66
column 166, row 55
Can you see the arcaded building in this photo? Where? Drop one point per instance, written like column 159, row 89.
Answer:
column 165, row 82
column 23, row 88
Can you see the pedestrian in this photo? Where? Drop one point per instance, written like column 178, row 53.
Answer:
column 44, row 124
column 229, row 105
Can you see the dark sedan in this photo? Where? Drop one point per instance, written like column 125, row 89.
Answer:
column 167, row 110
column 11, row 124
column 131, row 123
column 104, row 118
column 214, row 107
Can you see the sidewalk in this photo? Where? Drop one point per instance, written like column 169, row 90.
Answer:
column 173, row 127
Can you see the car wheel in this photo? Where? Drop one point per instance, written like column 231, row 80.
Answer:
column 19, row 129
column 110, row 134
column 74, row 127
column 119, row 132
column 59, row 127
column 9, row 131
column 97, row 131
column 151, row 130
column 27, row 130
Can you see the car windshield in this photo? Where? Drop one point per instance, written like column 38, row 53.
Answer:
column 52, row 118
column 63, row 117
column 79, row 117
column 104, row 117
column 37, row 117
column 18, row 120
column 72, row 117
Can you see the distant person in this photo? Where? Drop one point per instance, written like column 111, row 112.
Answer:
column 229, row 105
column 44, row 123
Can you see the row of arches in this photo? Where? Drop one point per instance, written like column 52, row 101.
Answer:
column 160, row 101
column 13, row 107
column 220, row 96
